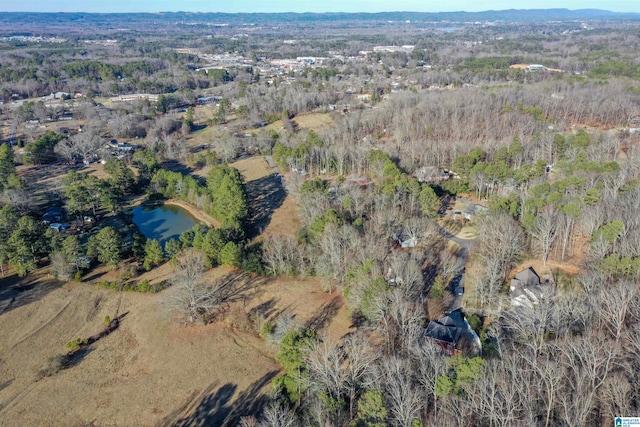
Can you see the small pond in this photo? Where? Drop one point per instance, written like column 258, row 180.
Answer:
column 162, row 222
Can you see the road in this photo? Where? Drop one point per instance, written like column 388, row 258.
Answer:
column 12, row 134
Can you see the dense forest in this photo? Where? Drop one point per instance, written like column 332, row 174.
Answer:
column 529, row 120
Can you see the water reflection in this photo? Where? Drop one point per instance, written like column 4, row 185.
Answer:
column 162, row 222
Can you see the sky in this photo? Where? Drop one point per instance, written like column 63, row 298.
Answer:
column 231, row 6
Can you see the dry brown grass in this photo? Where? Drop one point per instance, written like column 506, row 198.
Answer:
column 308, row 121
column 200, row 137
column 150, row 371
column 313, row 121
column 285, row 219
column 253, row 168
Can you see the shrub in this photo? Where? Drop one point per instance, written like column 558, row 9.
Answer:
column 145, row 286
column 128, row 272
column 55, row 364
column 75, row 344
column 476, row 323
column 437, row 290
column 267, row 329
column 110, row 285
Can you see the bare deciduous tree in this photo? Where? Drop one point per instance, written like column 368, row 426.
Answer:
column 338, row 244
column 275, row 415
column 283, row 255
column 325, row 362
column 502, row 240
column 361, row 358
column 544, row 230
column 403, row 396
column 403, row 322
column 431, row 364
column 406, row 274
column 588, row 362
column 191, row 297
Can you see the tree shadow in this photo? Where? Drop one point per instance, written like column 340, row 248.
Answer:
column 324, row 315
column 240, row 286
column 211, row 409
column 212, row 406
column 176, row 166
column 83, row 349
column 94, row 276
column 266, row 195
column 15, row 292
column 265, row 310
column 250, row 402
column 74, row 358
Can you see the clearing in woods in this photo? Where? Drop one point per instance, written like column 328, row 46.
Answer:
column 151, row 371
column 208, row 134
column 308, row 121
column 273, row 209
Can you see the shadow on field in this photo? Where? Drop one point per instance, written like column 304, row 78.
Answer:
column 16, row 292
column 323, row 316
column 212, row 406
column 266, row 310
column 265, row 196
column 176, row 166
column 239, row 286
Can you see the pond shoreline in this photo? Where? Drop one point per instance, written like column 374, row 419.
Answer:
column 202, row 217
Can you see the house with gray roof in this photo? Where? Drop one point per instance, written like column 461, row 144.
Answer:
column 526, row 289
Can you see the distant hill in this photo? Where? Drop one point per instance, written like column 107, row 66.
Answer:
column 28, row 23
column 516, row 15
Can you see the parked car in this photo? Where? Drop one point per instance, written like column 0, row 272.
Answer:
column 460, row 290
column 58, row 227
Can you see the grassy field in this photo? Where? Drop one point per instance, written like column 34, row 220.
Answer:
column 273, row 210
column 253, row 168
column 313, row 121
column 308, row 121
column 150, row 371
column 203, row 136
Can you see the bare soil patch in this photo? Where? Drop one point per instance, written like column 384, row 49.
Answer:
column 549, row 270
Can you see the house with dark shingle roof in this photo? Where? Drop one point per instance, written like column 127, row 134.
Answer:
column 454, row 335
